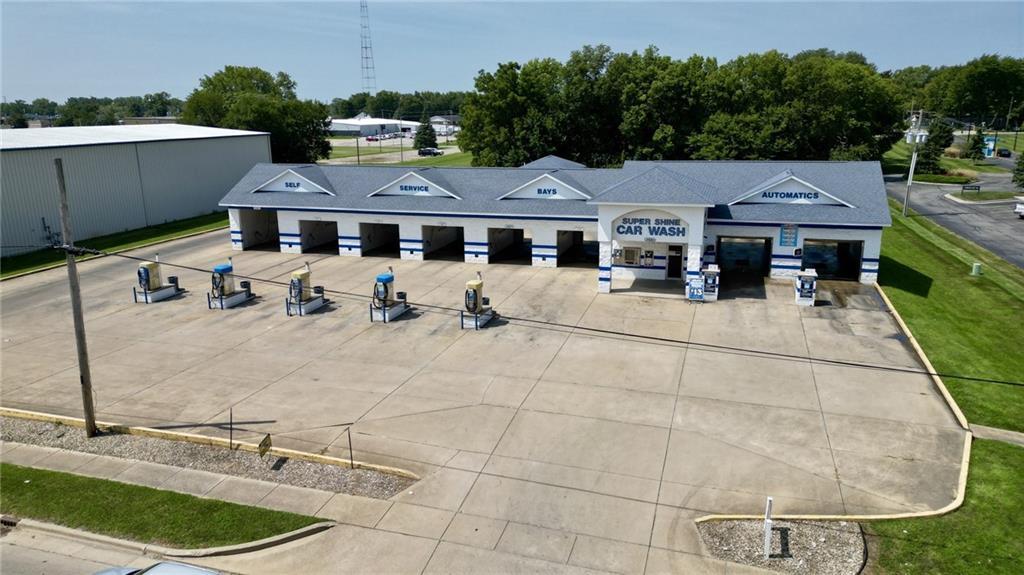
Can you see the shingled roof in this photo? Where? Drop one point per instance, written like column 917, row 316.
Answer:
column 715, row 184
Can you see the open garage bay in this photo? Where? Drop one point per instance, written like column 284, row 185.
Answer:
column 524, row 433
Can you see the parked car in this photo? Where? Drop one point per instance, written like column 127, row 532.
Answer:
column 1019, row 208
column 372, row 138
column 430, row 152
column 1004, row 153
column 161, row 568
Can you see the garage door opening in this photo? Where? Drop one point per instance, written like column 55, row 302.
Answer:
column 746, row 256
column 380, row 240
column 833, row 260
column 509, row 246
column 258, row 230
column 444, row 243
column 574, row 251
column 318, row 237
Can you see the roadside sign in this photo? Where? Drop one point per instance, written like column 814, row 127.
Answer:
column 264, row 445
column 971, row 188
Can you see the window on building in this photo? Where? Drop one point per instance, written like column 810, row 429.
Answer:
column 628, row 256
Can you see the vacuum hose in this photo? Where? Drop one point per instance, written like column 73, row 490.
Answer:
column 295, row 290
column 380, row 295
column 144, row 279
column 218, row 283
column 471, row 300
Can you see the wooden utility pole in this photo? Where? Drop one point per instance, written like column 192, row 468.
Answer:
column 76, row 304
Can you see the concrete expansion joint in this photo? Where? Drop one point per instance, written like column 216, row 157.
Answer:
column 206, row 440
column 160, row 551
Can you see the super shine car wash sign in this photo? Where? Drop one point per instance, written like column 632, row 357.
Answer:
column 649, row 226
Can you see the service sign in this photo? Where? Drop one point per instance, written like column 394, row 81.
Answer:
column 650, row 226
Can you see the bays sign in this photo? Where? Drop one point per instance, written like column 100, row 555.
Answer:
column 649, row 226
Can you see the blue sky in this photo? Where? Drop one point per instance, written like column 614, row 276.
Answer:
column 57, row 50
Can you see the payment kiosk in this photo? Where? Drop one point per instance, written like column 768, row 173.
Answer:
column 303, row 296
column 223, row 294
column 478, row 310
column 805, row 287
column 387, row 302
column 711, row 282
column 150, row 286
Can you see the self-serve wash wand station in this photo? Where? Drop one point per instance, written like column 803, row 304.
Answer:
column 150, row 287
column 223, row 294
column 303, row 297
column 478, row 308
column 647, row 226
column 387, row 303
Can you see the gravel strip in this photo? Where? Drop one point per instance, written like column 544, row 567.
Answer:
column 364, row 482
column 814, row 547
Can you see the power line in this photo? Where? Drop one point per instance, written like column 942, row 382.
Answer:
column 605, row 332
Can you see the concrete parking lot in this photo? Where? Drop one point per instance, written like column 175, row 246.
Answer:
column 541, row 446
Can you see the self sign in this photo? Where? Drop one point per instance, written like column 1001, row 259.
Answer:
column 292, row 184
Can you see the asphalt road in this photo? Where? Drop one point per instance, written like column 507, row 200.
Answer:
column 993, row 226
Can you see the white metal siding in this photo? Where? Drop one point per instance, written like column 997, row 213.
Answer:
column 185, row 179
column 108, row 194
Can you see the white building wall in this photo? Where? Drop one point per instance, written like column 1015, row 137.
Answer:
column 785, row 264
column 476, row 246
column 117, row 187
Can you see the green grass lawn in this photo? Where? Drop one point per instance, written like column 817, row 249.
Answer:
column 1005, row 140
column 450, row 159
column 138, row 513
column 115, row 242
column 369, row 150
column 967, row 325
column 985, row 195
column 897, row 160
column 982, row 537
column 942, row 179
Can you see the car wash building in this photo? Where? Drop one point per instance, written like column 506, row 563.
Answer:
column 644, row 221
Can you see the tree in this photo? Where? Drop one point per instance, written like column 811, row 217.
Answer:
column 17, row 120
column 1018, row 172
column 975, row 147
column 425, row 135
column 940, row 137
column 253, row 99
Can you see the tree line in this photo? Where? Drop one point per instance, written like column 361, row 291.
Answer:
column 89, row 111
column 601, row 108
column 396, row 105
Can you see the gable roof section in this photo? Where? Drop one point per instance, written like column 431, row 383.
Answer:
column 553, row 162
column 561, row 181
column 421, row 187
column 312, row 175
column 660, row 186
column 789, row 176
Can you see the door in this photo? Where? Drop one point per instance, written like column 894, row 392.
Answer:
column 675, row 262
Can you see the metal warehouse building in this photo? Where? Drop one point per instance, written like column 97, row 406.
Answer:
column 118, row 177
column 646, row 220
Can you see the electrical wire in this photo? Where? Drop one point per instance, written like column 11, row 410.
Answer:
column 607, row 332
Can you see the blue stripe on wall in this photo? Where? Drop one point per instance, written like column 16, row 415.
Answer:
column 476, row 253
column 781, row 267
column 475, row 243
column 360, row 238
column 412, row 241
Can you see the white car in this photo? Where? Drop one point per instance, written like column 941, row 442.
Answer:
column 161, row 568
column 1019, row 208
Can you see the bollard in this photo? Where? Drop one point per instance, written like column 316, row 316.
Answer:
column 976, row 269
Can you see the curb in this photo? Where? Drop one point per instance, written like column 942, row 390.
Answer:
column 959, row 415
column 951, row 506
column 206, row 440
column 1007, row 201
column 150, row 549
column 56, row 265
column 965, row 459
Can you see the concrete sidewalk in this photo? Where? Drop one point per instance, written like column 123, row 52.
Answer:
column 424, row 522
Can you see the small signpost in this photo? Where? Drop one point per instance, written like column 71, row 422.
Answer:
column 970, row 188
column 768, row 528
column 265, row 445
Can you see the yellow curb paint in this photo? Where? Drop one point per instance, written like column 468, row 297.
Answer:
column 205, row 440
